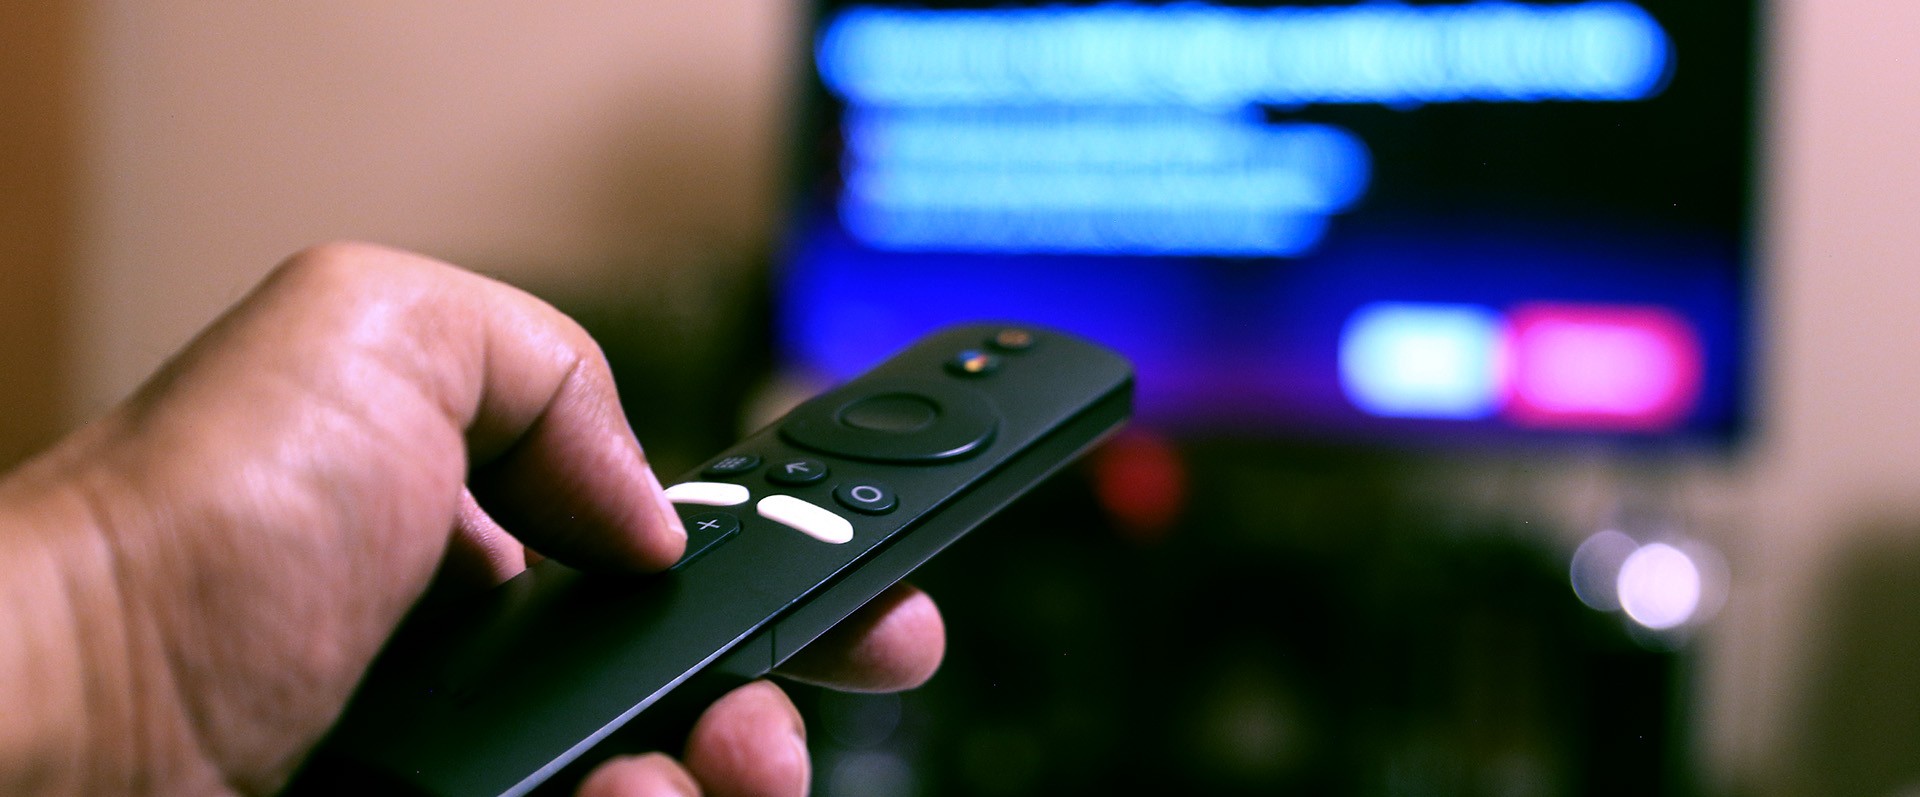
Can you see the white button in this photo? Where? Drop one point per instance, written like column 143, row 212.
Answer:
column 707, row 494
column 808, row 519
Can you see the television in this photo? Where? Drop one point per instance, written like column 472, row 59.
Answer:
column 1395, row 221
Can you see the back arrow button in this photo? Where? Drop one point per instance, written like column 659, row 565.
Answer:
column 797, row 472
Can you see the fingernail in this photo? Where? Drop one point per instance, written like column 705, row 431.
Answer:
column 669, row 517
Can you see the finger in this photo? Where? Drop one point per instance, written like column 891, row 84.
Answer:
column 576, row 484
column 750, row 743
column 563, row 469
column 550, row 454
column 480, row 555
column 481, row 552
column 650, row 775
column 894, row 642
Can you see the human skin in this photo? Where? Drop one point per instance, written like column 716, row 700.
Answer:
column 195, row 582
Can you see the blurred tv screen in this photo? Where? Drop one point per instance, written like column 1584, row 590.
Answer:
column 1480, row 220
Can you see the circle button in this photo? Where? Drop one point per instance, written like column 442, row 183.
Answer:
column 794, row 472
column 872, row 498
column 900, row 413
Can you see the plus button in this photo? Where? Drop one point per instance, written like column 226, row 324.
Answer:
column 706, row 530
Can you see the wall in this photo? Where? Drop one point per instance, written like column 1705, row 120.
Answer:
column 38, row 141
column 545, row 140
column 549, row 145
column 1836, row 469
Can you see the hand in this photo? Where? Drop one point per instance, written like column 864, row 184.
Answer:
column 196, row 582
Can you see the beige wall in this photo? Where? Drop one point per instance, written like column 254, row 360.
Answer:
column 547, row 140
column 1840, row 460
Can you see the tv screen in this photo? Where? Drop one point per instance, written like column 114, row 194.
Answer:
column 1339, row 220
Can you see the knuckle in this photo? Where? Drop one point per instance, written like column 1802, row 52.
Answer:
column 352, row 266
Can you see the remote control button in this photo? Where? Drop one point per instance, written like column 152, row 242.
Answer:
column 878, row 420
column 1011, row 340
column 795, row 472
column 732, row 466
column 900, row 413
column 806, row 518
column 872, row 498
column 707, row 494
column 973, row 362
column 704, row 531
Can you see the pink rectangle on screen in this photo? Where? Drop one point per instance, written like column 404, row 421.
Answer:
column 1602, row 367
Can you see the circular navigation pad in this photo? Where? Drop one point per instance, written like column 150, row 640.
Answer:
column 895, row 421
column 900, row 413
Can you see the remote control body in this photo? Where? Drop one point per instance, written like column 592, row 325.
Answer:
column 789, row 532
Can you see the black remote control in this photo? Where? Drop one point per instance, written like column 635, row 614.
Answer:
column 789, row 532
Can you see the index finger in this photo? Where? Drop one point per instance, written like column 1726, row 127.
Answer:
column 549, row 454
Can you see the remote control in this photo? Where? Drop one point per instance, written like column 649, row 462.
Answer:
column 789, row 532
